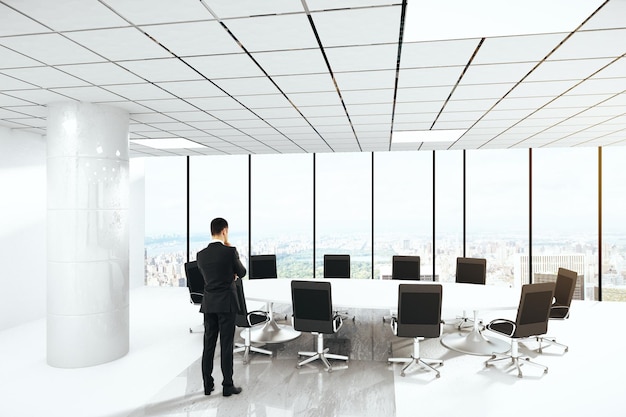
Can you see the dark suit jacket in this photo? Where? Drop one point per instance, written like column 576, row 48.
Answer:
column 219, row 264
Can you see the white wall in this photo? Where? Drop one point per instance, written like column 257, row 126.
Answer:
column 136, row 214
column 22, row 227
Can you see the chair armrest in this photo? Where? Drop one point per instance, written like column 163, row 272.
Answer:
column 191, row 294
column 394, row 325
column 564, row 310
column 258, row 313
column 337, row 323
column 501, row 321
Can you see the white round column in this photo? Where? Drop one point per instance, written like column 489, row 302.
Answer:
column 87, row 237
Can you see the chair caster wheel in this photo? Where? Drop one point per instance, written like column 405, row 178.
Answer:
column 438, row 376
column 298, row 366
column 567, row 349
column 402, row 374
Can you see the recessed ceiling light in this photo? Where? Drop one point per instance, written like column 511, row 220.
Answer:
column 416, row 136
column 169, row 143
column 487, row 18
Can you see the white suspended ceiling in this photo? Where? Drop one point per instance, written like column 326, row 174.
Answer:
column 284, row 76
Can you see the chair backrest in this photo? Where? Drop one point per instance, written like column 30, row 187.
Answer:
column 195, row 282
column 419, row 310
column 533, row 311
column 242, row 311
column 312, row 306
column 564, row 290
column 471, row 270
column 405, row 267
column 336, row 266
column 262, row 266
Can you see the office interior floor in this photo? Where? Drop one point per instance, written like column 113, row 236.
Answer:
column 160, row 376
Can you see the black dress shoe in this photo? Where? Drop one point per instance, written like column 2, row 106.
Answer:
column 208, row 390
column 230, row 390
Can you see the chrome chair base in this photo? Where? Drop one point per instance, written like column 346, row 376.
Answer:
column 550, row 341
column 516, row 359
column 246, row 347
column 415, row 359
column 410, row 362
column 321, row 354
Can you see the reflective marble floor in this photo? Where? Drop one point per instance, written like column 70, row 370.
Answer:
column 160, row 376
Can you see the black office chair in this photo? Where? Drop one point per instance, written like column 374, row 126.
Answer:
column 248, row 319
column 312, row 312
column 419, row 317
column 405, row 267
column 262, row 267
column 563, row 294
column 338, row 266
column 195, row 284
column 470, row 271
column 533, row 314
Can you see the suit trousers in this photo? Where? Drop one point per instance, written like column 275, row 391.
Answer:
column 222, row 324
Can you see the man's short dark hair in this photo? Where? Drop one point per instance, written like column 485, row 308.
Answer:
column 217, row 225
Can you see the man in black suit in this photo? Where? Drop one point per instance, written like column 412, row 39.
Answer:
column 220, row 266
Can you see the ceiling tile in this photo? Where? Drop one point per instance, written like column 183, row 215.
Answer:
column 305, row 83
column 69, row 14
column 429, row 77
column 191, row 89
column 87, row 94
column 542, row 88
column 578, row 69
column 363, row 58
column 194, row 38
column 143, row 91
column 440, row 93
column 102, row 73
column 225, row 66
column 381, row 95
column 141, row 12
column 358, row 26
column 161, row 70
column 46, row 77
column 592, row 44
column 301, row 61
column 51, row 49
column 433, row 107
column 365, row 80
column 215, row 103
column 119, row 44
column 524, row 48
column 315, row 99
column 243, row 8
column 264, row 101
column 600, row 86
column 15, row 23
column 247, row 86
column 437, row 54
column 39, row 96
column 270, row 33
column 9, row 83
column 496, row 73
column 481, row 91
column 12, row 59
column 167, row 105
column 611, row 15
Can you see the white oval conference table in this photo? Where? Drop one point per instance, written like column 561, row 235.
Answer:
column 383, row 294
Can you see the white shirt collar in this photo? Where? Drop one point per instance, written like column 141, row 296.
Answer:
column 215, row 241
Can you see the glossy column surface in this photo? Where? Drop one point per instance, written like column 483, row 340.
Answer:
column 87, row 237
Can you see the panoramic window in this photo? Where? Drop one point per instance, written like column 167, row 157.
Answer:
column 343, row 193
column 497, row 212
column 165, row 239
column 613, row 224
column 403, row 210
column 565, row 216
column 282, row 212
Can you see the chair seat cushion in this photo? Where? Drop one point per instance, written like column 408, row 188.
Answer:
column 559, row 312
